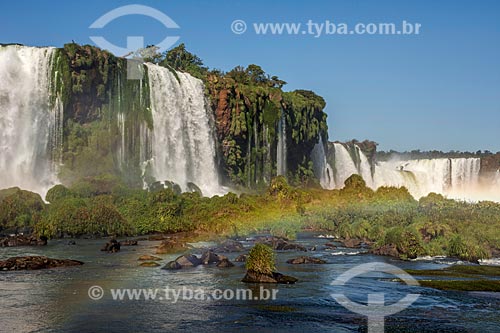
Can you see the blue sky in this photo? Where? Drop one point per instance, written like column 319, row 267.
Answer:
column 438, row 90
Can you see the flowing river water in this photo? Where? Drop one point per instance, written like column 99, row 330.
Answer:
column 57, row 300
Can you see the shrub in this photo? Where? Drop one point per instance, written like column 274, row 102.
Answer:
column 261, row 260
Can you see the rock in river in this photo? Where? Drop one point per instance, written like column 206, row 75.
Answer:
column 254, row 277
column 35, row 262
column 305, row 260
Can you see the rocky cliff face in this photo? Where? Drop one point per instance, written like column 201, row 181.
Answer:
column 108, row 127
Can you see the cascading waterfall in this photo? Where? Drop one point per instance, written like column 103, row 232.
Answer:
column 344, row 164
column 183, row 146
column 30, row 122
column 281, row 150
column 322, row 169
column 457, row 178
column 364, row 167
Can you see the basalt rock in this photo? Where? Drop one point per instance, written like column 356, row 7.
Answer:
column 254, row 277
column 22, row 240
column 148, row 257
column 352, row 243
column 169, row 245
column 390, row 250
column 281, row 244
column 241, row 258
column 186, row 260
column 229, row 246
column 35, row 262
column 149, row 264
column 225, row 263
column 305, row 260
column 112, row 246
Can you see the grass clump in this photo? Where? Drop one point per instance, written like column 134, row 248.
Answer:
column 261, row 260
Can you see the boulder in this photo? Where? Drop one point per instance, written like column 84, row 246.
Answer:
column 149, row 264
column 281, row 244
column 254, row 277
column 172, row 265
column 22, row 240
column 352, row 243
column 35, row 262
column 229, row 246
column 169, row 245
column 188, row 260
column 112, row 246
column 224, row 263
column 330, row 246
column 305, row 260
column 148, row 257
column 390, row 250
column 241, row 258
column 209, row 257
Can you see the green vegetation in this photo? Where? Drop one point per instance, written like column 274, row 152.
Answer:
column 460, row 285
column 462, row 271
column 19, row 210
column 105, row 205
column 261, row 260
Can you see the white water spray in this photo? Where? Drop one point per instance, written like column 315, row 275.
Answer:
column 30, row 127
column 183, row 146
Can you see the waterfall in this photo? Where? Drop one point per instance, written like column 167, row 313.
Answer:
column 457, row 178
column 281, row 150
column 364, row 167
column 453, row 177
column 183, row 146
column 30, row 121
column 344, row 164
column 322, row 169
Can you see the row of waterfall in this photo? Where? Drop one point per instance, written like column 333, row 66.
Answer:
column 180, row 147
column 457, row 178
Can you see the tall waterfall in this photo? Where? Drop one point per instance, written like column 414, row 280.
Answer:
column 281, row 150
column 183, row 146
column 344, row 164
column 30, row 123
column 322, row 168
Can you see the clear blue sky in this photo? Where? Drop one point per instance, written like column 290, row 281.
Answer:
column 437, row 90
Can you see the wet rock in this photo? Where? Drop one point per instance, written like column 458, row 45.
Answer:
column 149, row 264
column 112, row 246
column 148, row 257
column 305, row 260
column 352, row 243
column 224, row 263
column 169, row 245
column 281, row 244
column 209, row 257
column 71, row 242
column 188, row 260
column 229, row 246
column 241, row 258
column 157, row 237
column 254, row 277
column 22, row 240
column 172, row 265
column 35, row 262
column 389, row 250
column 330, row 246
